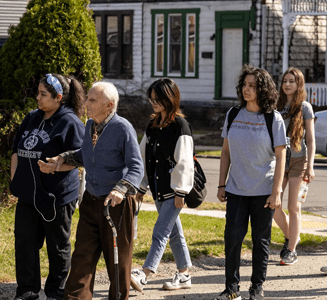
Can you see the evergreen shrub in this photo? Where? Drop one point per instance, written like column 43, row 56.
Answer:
column 11, row 115
column 53, row 36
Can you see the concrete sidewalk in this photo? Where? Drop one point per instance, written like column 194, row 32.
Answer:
column 302, row 281
column 310, row 224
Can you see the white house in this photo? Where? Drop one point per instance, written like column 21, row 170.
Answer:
column 203, row 44
column 200, row 44
column 10, row 14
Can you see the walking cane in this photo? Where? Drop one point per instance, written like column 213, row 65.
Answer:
column 114, row 235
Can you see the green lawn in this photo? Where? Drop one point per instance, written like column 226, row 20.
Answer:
column 204, row 235
column 208, row 153
column 218, row 153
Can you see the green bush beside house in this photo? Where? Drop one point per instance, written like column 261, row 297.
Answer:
column 11, row 115
column 53, row 36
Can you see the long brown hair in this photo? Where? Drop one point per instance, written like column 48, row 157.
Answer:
column 167, row 95
column 296, row 126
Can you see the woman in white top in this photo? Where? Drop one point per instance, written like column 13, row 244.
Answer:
column 167, row 152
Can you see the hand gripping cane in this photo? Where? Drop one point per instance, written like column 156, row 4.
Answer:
column 114, row 235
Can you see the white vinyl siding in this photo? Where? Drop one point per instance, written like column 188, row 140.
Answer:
column 10, row 13
column 202, row 88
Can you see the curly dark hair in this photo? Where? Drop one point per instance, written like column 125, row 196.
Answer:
column 73, row 92
column 296, row 126
column 267, row 94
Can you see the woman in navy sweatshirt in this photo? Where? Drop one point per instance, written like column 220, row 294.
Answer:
column 167, row 152
column 46, row 202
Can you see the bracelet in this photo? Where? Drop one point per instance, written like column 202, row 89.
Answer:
column 220, row 186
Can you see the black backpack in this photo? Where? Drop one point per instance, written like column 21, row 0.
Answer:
column 198, row 193
column 269, row 117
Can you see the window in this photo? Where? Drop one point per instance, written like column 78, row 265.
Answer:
column 114, row 32
column 175, row 46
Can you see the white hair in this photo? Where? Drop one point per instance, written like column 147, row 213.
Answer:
column 109, row 91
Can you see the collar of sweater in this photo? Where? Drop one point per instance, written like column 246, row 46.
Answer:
column 99, row 127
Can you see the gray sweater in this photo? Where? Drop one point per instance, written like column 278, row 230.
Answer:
column 115, row 156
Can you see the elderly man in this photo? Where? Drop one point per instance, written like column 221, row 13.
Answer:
column 111, row 157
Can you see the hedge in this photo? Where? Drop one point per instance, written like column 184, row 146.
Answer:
column 53, row 36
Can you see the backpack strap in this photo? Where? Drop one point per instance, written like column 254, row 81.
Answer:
column 232, row 115
column 269, row 117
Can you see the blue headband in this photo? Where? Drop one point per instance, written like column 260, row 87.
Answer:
column 53, row 81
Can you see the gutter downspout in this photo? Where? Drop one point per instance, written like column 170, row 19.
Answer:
column 142, row 33
column 263, row 34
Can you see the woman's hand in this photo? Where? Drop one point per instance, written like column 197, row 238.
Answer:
column 273, row 201
column 221, row 194
column 48, row 168
column 54, row 164
column 224, row 169
column 309, row 174
column 14, row 164
column 179, row 202
column 139, row 196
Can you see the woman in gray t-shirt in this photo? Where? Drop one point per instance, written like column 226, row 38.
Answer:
column 251, row 175
column 299, row 122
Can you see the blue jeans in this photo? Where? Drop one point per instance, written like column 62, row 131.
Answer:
column 168, row 226
column 238, row 211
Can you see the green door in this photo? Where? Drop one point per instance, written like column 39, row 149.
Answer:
column 232, row 30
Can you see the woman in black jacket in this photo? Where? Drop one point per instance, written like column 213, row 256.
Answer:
column 167, row 152
column 46, row 202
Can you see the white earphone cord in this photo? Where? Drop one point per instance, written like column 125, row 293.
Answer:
column 34, row 201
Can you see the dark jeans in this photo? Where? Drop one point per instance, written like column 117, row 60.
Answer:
column 239, row 210
column 30, row 232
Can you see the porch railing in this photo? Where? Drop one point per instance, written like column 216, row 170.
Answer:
column 317, row 93
column 315, row 7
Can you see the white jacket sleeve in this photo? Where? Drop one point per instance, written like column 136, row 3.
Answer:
column 144, row 186
column 182, row 176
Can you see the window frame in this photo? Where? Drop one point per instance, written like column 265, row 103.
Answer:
column 104, row 19
column 190, row 74
column 184, row 13
column 155, row 45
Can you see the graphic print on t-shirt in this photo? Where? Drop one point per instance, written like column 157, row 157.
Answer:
column 31, row 141
column 249, row 126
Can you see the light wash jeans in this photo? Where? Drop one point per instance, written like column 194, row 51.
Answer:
column 168, row 226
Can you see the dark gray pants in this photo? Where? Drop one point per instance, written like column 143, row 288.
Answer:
column 30, row 232
column 238, row 211
column 93, row 237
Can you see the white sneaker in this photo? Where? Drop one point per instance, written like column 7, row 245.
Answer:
column 323, row 269
column 180, row 281
column 138, row 280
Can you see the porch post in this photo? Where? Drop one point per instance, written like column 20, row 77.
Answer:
column 285, row 48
